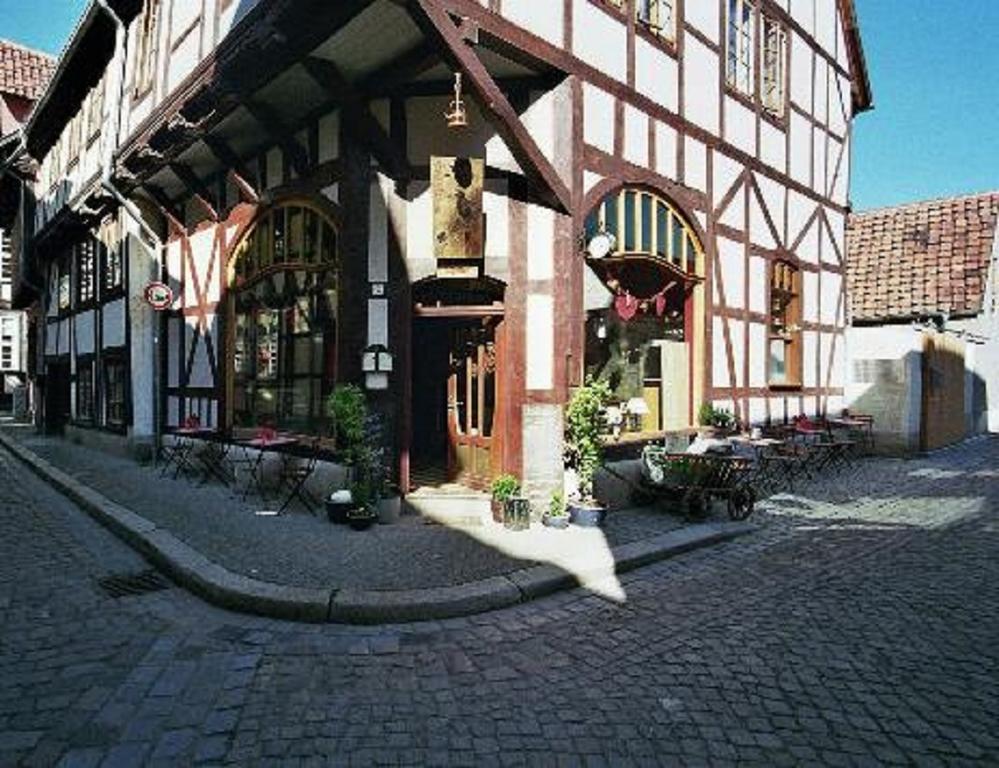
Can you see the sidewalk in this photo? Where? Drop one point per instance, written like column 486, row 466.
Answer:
column 300, row 566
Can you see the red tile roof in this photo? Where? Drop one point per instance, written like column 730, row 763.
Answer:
column 921, row 258
column 24, row 72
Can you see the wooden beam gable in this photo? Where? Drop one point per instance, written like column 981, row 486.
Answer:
column 436, row 23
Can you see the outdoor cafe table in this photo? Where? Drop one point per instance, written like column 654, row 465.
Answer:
column 263, row 445
column 776, row 460
column 182, row 454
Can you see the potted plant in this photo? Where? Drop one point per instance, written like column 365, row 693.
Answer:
column 584, row 426
column 347, row 408
column 365, row 488
column 713, row 421
column 556, row 516
column 338, row 505
column 503, row 488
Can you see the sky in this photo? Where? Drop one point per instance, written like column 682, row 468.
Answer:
column 934, row 67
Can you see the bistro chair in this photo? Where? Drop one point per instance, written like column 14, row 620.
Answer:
column 180, row 454
column 295, row 476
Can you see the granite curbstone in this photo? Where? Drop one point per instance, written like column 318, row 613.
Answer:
column 358, row 606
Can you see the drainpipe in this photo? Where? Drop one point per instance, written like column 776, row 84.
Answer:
column 153, row 238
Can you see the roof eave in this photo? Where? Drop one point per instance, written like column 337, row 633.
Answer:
column 863, row 94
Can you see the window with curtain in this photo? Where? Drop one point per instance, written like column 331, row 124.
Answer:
column 85, row 390
column 773, row 43
column 145, row 47
column 114, row 390
column 657, row 17
column 284, row 298
column 784, row 368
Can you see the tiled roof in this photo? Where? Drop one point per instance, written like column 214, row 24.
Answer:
column 922, row 258
column 24, row 72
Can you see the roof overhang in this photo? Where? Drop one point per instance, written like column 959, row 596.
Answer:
column 289, row 62
column 863, row 95
column 81, row 65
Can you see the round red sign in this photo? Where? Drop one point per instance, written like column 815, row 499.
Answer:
column 159, row 295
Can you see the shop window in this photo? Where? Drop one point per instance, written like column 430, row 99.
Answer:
column 64, row 296
column 643, row 262
column 740, row 46
column 773, row 43
column 657, row 17
column 145, row 48
column 84, row 390
column 114, row 391
column 285, row 306
column 112, row 261
column 784, row 367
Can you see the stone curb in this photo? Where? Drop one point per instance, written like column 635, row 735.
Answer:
column 222, row 587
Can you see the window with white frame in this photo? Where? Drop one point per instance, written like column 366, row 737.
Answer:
column 6, row 268
column 773, row 45
column 657, row 16
column 739, row 73
column 145, row 48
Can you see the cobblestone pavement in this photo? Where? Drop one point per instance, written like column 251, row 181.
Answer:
column 859, row 626
column 299, row 549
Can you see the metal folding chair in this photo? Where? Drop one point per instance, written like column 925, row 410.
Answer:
column 294, row 478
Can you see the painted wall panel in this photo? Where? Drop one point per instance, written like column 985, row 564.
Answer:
column 665, row 151
column 540, row 341
column 740, row 126
column 731, row 256
column 801, row 72
column 700, row 88
column 703, row 16
column 540, row 243
column 695, row 168
column 542, row 19
column 598, row 118
column 636, row 136
column 656, row 74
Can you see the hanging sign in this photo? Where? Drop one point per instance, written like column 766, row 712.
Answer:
column 158, row 295
column 458, row 223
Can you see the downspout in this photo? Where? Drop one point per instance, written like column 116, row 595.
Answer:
column 107, row 183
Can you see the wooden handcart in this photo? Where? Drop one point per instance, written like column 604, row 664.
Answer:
column 695, row 479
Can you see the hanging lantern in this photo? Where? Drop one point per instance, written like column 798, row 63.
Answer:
column 457, row 116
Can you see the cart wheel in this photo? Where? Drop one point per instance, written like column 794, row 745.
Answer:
column 741, row 502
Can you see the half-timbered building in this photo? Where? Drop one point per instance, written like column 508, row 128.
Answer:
column 469, row 206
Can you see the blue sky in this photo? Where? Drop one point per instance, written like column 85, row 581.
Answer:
column 935, row 72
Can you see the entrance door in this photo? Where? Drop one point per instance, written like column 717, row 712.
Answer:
column 943, row 391
column 471, row 401
column 456, row 414
column 57, row 396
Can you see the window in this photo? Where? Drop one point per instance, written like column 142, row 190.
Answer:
column 86, row 264
column 95, row 111
column 656, row 16
column 6, row 266
column 284, row 304
column 741, row 36
column 145, row 49
column 64, row 295
column 85, row 390
column 637, row 292
column 7, row 357
column 784, row 368
column 774, row 55
column 114, row 391
column 112, row 262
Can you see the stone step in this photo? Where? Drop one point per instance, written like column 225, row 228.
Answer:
column 455, row 508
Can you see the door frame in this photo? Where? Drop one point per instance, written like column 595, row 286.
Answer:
column 425, row 314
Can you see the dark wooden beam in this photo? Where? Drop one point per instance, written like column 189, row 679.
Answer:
column 196, row 188
column 435, row 22
column 357, row 119
column 166, row 207
column 234, row 166
column 269, row 120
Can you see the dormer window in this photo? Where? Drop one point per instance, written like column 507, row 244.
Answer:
column 740, row 68
column 657, row 16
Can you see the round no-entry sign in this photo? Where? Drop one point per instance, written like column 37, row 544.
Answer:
column 159, row 295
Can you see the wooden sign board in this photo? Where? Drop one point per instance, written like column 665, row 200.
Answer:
column 456, row 183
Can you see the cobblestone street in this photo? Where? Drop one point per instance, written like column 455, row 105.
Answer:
column 859, row 625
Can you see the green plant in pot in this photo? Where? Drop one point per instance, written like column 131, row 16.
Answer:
column 714, row 421
column 585, row 420
column 557, row 516
column 503, row 488
column 371, row 476
column 347, row 408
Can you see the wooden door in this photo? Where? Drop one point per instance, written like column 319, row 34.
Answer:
column 943, row 391
column 472, row 401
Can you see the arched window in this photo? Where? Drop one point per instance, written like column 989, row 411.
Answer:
column 643, row 260
column 283, row 293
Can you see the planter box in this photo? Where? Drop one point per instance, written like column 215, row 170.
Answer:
column 586, row 516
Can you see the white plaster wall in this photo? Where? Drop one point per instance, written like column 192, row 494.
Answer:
column 636, row 136
column 540, row 341
column 598, row 118
column 656, row 74
column 599, row 39
column 740, row 126
column 666, row 142
column 700, row 88
column 542, row 19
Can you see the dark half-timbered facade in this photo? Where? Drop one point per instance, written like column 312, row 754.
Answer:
column 467, row 207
